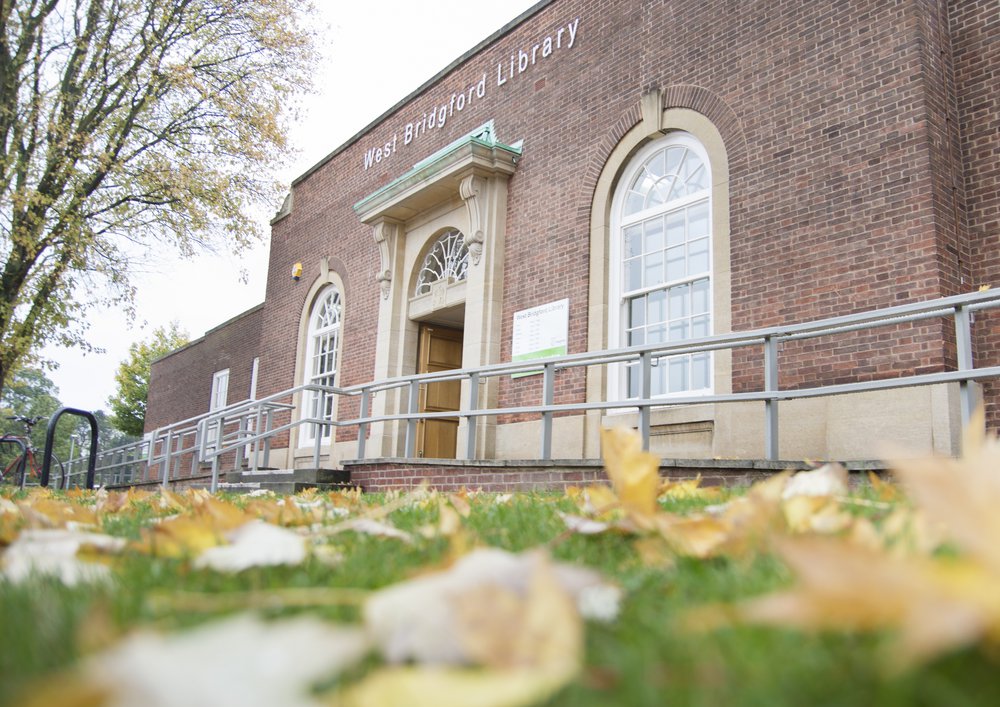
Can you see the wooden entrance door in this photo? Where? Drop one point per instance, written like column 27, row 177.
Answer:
column 440, row 349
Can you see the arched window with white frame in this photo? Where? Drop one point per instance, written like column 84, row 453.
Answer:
column 321, row 360
column 661, row 267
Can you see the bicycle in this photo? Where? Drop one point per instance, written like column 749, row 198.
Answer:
column 25, row 461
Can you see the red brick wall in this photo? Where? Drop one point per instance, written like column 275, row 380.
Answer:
column 975, row 27
column 180, row 383
column 862, row 139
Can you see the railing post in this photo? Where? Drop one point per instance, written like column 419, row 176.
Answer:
column 645, row 389
column 319, row 431
column 411, row 424
column 363, row 427
column 255, row 448
column 963, row 340
column 472, row 421
column 548, row 396
column 168, row 448
column 771, row 405
column 268, row 423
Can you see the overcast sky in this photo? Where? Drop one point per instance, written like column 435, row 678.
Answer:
column 374, row 54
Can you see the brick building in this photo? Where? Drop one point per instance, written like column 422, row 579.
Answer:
column 650, row 171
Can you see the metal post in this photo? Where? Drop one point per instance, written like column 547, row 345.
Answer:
column 771, row 405
column 319, row 431
column 267, row 439
column 68, row 471
column 472, row 421
column 963, row 340
column 645, row 389
column 411, row 424
column 548, row 396
column 256, row 443
column 168, row 448
column 215, row 474
column 363, row 427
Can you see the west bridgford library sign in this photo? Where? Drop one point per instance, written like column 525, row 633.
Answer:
column 434, row 118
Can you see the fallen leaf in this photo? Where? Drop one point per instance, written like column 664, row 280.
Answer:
column 634, row 474
column 54, row 552
column 237, row 662
column 449, row 687
column 419, row 619
column 254, row 544
column 936, row 604
column 828, row 480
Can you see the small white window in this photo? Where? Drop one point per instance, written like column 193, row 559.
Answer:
column 662, row 265
column 220, row 390
column 322, row 347
column 220, row 394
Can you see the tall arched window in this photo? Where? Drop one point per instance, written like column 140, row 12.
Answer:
column 661, row 276
column 322, row 346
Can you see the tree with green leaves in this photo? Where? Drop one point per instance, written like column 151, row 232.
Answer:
column 128, row 404
column 129, row 127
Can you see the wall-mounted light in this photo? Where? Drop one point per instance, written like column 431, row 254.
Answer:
column 297, row 272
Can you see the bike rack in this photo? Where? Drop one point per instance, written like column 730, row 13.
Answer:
column 22, row 468
column 50, row 434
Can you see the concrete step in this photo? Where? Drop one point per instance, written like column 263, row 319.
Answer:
column 311, row 476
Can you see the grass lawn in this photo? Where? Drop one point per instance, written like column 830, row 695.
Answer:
column 643, row 657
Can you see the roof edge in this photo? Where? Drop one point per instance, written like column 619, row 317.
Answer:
column 503, row 31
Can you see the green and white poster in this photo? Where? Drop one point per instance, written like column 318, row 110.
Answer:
column 540, row 332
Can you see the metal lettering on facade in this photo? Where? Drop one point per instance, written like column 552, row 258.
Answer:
column 438, row 115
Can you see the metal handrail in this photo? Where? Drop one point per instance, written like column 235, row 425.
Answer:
column 261, row 411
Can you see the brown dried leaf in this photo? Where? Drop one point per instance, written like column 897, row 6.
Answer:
column 634, row 474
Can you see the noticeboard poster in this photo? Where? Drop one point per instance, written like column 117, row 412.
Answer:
column 540, row 332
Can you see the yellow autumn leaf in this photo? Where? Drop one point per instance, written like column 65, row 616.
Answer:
column 687, row 488
column 936, row 604
column 448, row 687
column 41, row 511
column 963, row 495
column 695, row 536
column 634, row 474
column 181, row 536
column 815, row 514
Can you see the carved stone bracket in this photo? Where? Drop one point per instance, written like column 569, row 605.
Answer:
column 473, row 190
column 386, row 232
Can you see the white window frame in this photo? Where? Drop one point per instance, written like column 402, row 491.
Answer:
column 617, row 376
column 314, row 333
column 217, row 401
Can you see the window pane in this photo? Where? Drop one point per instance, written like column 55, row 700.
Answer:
column 637, row 312
column 697, row 180
column 700, row 371
column 675, row 263
column 679, row 302
column 658, row 377
column 698, row 220
column 679, row 330
column 678, row 374
column 633, row 274
column 699, row 327
column 632, row 383
column 636, row 337
column 655, row 165
column 656, row 303
column 656, row 334
column 633, row 202
column 675, row 228
column 654, row 269
column 674, row 157
column 699, row 297
column 654, row 235
column 698, row 256
column 633, row 241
